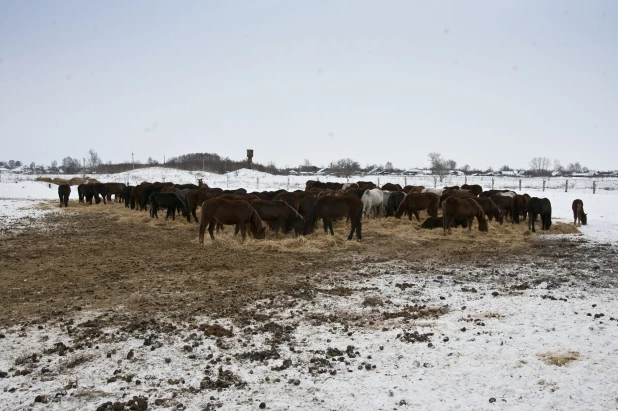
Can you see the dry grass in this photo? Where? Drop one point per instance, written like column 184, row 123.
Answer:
column 385, row 230
column 559, row 360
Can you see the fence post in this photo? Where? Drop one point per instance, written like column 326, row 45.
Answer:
column 257, row 180
column 288, row 187
column 378, row 182
column 594, row 187
column 465, row 179
column 405, row 180
column 492, row 183
column 227, row 183
column 543, row 184
column 435, row 182
column 566, row 186
column 520, row 184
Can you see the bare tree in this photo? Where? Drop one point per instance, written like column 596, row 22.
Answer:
column 438, row 165
column 388, row 166
column 558, row 166
column 93, row 159
column 33, row 165
column 539, row 165
column 505, row 168
column 345, row 167
column 575, row 168
column 54, row 164
column 465, row 168
column 451, row 164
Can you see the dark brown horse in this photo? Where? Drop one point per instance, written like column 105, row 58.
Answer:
column 467, row 208
column 413, row 203
column 474, row 188
column 64, row 190
column 280, row 214
column 366, row 185
column 506, row 204
column 522, row 201
column 539, row 206
column 391, row 187
column 329, row 208
column 306, row 209
column 490, row 209
column 579, row 217
column 230, row 212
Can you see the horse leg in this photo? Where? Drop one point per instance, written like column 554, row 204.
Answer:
column 211, row 228
column 236, row 229
column 418, row 217
column 325, row 225
column 470, row 221
column 243, row 230
column 353, row 225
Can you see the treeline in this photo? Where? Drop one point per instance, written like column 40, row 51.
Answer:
column 214, row 163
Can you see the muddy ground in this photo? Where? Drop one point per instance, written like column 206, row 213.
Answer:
column 106, row 275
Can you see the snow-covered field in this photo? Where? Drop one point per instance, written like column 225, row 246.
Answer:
column 537, row 331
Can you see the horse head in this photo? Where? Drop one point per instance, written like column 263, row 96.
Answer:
column 483, row 226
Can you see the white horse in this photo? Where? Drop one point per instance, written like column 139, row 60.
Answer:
column 385, row 196
column 373, row 200
column 508, row 194
column 437, row 191
column 348, row 185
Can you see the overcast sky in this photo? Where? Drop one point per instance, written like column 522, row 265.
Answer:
column 485, row 83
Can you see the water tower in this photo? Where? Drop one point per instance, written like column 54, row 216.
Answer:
column 250, row 157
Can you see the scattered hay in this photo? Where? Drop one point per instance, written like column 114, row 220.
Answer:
column 559, row 360
column 562, row 228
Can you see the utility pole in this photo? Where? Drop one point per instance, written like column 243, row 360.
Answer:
column 132, row 160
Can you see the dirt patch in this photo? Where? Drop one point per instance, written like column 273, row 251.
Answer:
column 559, row 359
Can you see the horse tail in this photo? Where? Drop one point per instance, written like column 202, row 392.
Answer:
column 515, row 209
column 401, row 208
column 444, row 217
column 254, row 219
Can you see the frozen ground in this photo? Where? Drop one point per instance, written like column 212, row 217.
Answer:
column 532, row 330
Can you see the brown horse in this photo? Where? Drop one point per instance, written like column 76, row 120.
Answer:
column 230, row 212
column 413, row 189
column 64, row 190
column 505, row 204
column 195, row 198
column 280, row 214
column 413, row 203
column 391, row 187
column 331, row 207
column 522, row 201
column 454, row 207
column 579, row 217
column 490, row 209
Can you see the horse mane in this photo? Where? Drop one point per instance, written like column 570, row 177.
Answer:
column 400, row 208
column 254, row 219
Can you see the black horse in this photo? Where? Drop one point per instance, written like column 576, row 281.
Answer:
column 64, row 190
column 170, row 201
column 393, row 202
column 536, row 206
column 437, row 222
column 127, row 192
column 86, row 192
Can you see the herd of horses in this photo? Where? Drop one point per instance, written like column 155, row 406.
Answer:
column 301, row 210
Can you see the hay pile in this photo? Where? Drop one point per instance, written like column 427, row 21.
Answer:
column 381, row 234
column 75, row 181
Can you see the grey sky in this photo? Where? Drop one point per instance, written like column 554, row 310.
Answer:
column 482, row 82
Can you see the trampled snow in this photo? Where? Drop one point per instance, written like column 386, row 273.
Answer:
column 491, row 348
